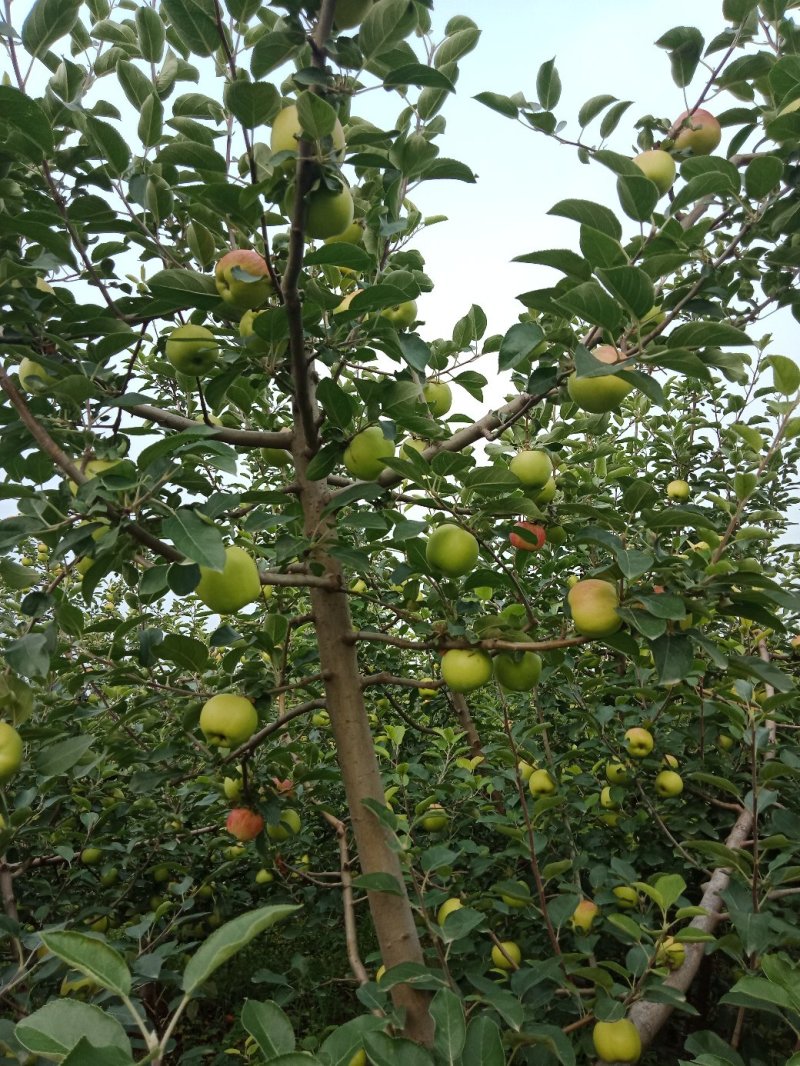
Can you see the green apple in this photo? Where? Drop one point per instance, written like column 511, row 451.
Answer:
column 286, row 130
column 413, row 444
column 288, row 825
column 671, row 762
column 451, row 550
column 584, row 915
column 678, row 489
column 607, row 801
column 402, row 315
column 264, row 877
column 232, row 787
column 360, row 1057
column 671, row 953
column 228, row 590
column 92, row 469
column 438, row 396
column 617, row 1041
column 517, row 671
column 32, row 376
column 449, row 905
column 519, row 899
column 593, row 604
column 506, row 955
column 668, row 784
column 349, row 14
column 242, row 279
column 228, row 720
column 638, row 742
column 525, row 769
column 276, row 457
column 541, row 783
column 547, row 493
column 617, row 774
column 366, row 454
column 161, row 873
column 725, row 742
column 465, row 669
column 658, row 166
column 598, row 395
column 234, row 851
column 10, row 752
column 328, row 213
column 533, row 467
column 699, row 132
column 91, row 856
column 626, row 896
column 192, row 350
column 109, row 877
column 354, row 234
column 435, row 819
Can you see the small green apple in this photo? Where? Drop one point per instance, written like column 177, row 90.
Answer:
column 465, row 669
column 601, row 394
column 506, row 955
column 328, row 213
column 288, row 825
column 192, row 349
column 658, row 166
column 617, row 1041
column 668, row 784
column 533, row 467
column 32, row 376
column 237, row 584
column 438, row 396
column 228, row 720
column 678, row 490
column 402, row 315
column 594, row 604
column 517, row 671
column 541, row 783
column 11, row 752
column 366, row 454
column 242, row 279
column 451, row 550
column 638, row 742
column 449, row 905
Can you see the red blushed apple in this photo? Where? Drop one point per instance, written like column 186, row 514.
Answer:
column 531, row 538
column 244, row 824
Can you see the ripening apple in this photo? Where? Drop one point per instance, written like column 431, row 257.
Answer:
column 671, row 953
column 525, row 769
column 465, row 669
column 192, row 349
column 32, row 376
column 678, row 489
column 244, row 824
column 286, row 130
column 541, row 783
column 584, row 915
column 449, row 905
column 352, row 235
column 435, row 819
column 451, row 550
column 507, row 955
column 438, row 396
column 658, row 166
column 638, row 742
column 617, row 774
column 533, row 467
column 627, row 897
column 228, row 590
column 366, row 454
column 242, row 279
column 288, row 825
column 600, row 394
column 547, row 493
column 328, row 213
column 401, row 315
column 264, row 877
column 668, row 784
column 527, row 536
column 594, row 607
column 699, row 133
column 228, row 720
column 607, row 800
column 10, row 752
column 617, row 1041
column 517, row 671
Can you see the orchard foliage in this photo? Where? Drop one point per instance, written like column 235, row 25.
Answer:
column 321, row 446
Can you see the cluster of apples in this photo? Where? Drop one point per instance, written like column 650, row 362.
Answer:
column 697, row 133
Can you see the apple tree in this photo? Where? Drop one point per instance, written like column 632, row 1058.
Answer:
column 488, row 724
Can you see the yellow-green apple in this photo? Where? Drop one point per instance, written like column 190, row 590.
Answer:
column 671, row 953
column 607, row 801
column 321, row 720
column 109, row 877
column 435, row 819
column 699, row 133
column 533, row 467
column 32, row 375
column 525, row 769
column 232, row 787
column 527, row 536
column 671, row 762
column 465, row 669
column 228, row 720
column 360, row 1057
column 518, row 671
column 506, row 955
column 668, row 784
column 725, row 742
column 541, row 783
column 638, row 742
column 288, row 825
column 234, row 851
column 451, row 550
column 92, row 469
column 91, row 856
column 519, row 899
column 426, row 690
column 366, row 454
column 286, row 130
column 401, row 315
column 678, row 489
column 276, row 457
column 658, row 166
column 584, row 915
column 617, row 1041
column 242, row 279
column 352, row 235
column 594, row 607
column 347, row 15
column 438, row 396
column 161, row 873
column 449, row 905
column 599, row 394
column 10, row 751
column 413, row 444
column 264, row 877
column 547, row 493
column 244, row 824
column 328, row 213
column 228, row 590
column 345, row 302
column 627, row 897
column 192, row 349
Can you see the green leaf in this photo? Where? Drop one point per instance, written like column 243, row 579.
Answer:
column 638, row 196
column 785, row 374
column 669, row 887
column 185, row 651
column 269, row 1027
column 336, row 403
column 110, row 143
column 317, row 117
column 151, row 121
column 196, row 24
column 450, row 1030
column 92, row 957
column 378, row 883
column 55, row 759
column 592, row 108
column 443, row 169
column 548, row 85
column 340, row 254
column 386, row 24
column 612, row 117
column 253, row 104
column 569, row 263
column 630, row 286
column 483, row 1045
column 55, row 1029
column 178, row 289
column 592, row 304
column 151, row 32
column 419, row 74
column 673, row 657
column 518, row 344
column 721, row 783
column 27, row 118
column 763, row 174
column 47, row 21
column 589, row 214
column 134, row 83
column 184, row 153
column 708, row 334
column 229, row 939
column 684, row 45
column 29, row 656
column 86, row 1054
column 271, row 51
column 504, row 105
column 197, row 539
column 462, row 37
column 383, row 1050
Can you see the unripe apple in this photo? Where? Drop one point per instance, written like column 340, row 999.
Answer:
column 366, row 454
column 32, row 376
column 678, row 489
column 533, row 467
column 242, row 279
column 232, row 787
column 244, row 824
column 264, row 877
column 192, row 349
column 521, row 898
column 401, row 315
column 328, row 213
column 525, row 770
column 617, row 773
column 668, row 784
column 449, row 905
column 546, row 494
column 627, row 897
column 92, row 469
column 237, row 584
column 699, row 133
column 451, row 550
column 11, row 752
column 607, row 801
column 541, row 783
column 286, row 131
column 600, row 394
column 658, row 166
column 671, row 762
column 725, row 742
column 228, row 720
column 507, row 955
column 91, row 856
column 617, row 1041
column 465, row 669
column 517, row 671
column 671, row 953
column 584, row 915
column 438, row 396
column 638, row 742
column 594, row 608
column 436, row 820
column 288, row 825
